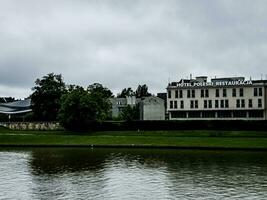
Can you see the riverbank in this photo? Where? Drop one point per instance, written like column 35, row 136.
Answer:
column 199, row 139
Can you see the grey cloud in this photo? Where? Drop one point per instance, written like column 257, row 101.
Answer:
column 126, row 43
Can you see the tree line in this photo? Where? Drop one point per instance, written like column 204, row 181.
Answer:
column 75, row 107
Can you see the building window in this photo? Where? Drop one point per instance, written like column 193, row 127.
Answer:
column 239, row 114
column 260, row 92
column 226, row 103
column 217, row 93
column 169, row 94
column 206, row 93
column 191, row 104
column 202, row 93
column 176, row 94
column 193, row 114
column 216, row 103
column 234, row 92
column 208, row 114
column 255, row 114
column 241, row 92
column 196, row 103
column 175, row 104
column 259, row 103
column 181, row 93
column 222, row 103
column 224, row 114
column 243, row 103
column 182, row 104
column 238, row 103
column 178, row 114
column 193, row 93
column 255, row 92
column 224, row 92
column 205, row 103
column 188, row 94
column 210, row 103
column 250, row 103
column 171, row 104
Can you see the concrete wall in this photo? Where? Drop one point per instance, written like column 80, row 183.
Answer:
column 153, row 112
column 32, row 125
column 152, row 108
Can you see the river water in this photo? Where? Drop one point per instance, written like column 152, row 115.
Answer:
column 85, row 173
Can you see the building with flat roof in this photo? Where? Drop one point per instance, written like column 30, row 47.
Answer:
column 232, row 98
column 150, row 108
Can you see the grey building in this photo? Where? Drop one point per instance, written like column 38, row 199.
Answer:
column 118, row 104
column 231, row 98
column 151, row 108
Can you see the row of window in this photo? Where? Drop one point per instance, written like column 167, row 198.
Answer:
column 218, row 114
column 223, row 103
column 204, row 93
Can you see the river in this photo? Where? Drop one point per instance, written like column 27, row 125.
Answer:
column 85, row 173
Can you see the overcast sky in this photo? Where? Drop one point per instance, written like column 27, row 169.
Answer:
column 123, row 43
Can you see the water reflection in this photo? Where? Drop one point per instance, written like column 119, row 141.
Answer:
column 62, row 160
column 84, row 173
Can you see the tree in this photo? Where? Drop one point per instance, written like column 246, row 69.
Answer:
column 102, row 96
column 46, row 96
column 81, row 108
column 126, row 92
column 130, row 113
column 142, row 91
column 78, row 109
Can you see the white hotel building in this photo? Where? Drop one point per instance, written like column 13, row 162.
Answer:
column 220, row 99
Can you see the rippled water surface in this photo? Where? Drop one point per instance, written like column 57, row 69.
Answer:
column 81, row 173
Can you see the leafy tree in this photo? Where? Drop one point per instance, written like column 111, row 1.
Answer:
column 126, row 92
column 130, row 113
column 78, row 109
column 46, row 96
column 102, row 96
column 81, row 108
column 142, row 91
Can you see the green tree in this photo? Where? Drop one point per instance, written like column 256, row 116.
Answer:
column 81, row 108
column 78, row 109
column 130, row 113
column 142, row 91
column 46, row 96
column 126, row 92
column 102, row 96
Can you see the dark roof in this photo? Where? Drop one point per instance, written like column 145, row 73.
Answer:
column 16, row 107
column 259, row 81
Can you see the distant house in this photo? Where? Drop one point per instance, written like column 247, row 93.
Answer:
column 118, row 104
column 151, row 108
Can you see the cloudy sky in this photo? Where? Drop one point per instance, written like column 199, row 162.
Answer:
column 123, row 43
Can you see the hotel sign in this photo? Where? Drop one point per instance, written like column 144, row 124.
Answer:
column 219, row 83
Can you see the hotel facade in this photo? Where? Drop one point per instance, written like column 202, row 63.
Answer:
column 231, row 98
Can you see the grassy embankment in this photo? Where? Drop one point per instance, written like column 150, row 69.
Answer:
column 171, row 139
